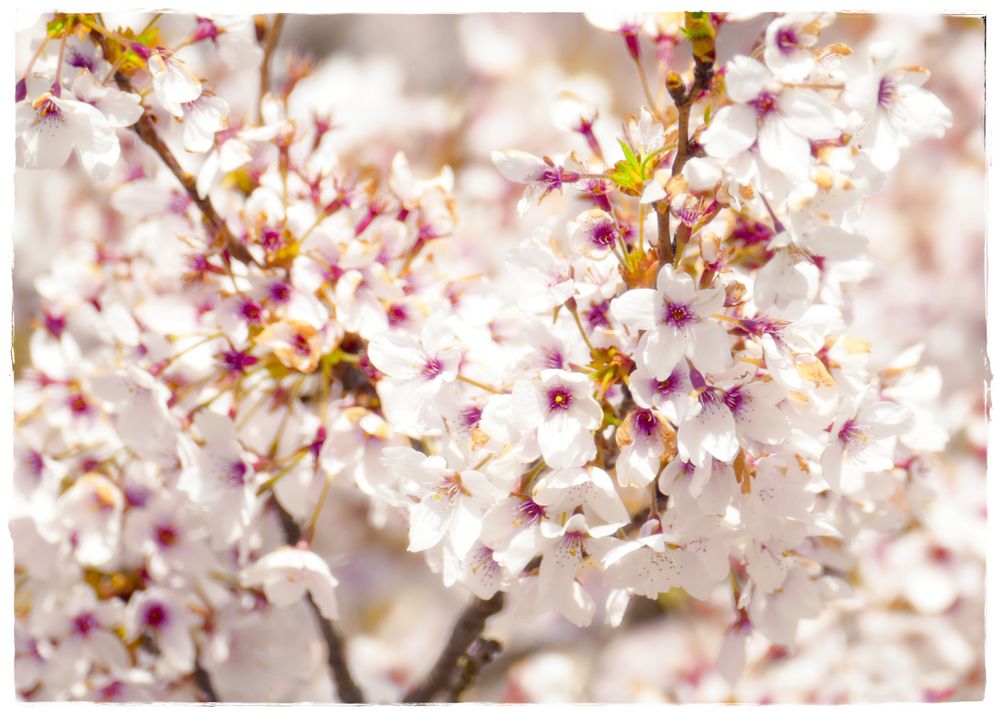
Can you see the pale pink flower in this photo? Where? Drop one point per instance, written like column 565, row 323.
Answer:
column 563, row 414
column 676, row 320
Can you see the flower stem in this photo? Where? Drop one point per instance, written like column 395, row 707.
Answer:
column 474, row 383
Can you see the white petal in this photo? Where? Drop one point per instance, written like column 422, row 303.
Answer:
column 710, row 351
column 518, row 166
column 636, row 308
column 806, row 113
column 746, row 78
column 565, row 442
column 429, row 521
column 733, row 130
column 783, row 149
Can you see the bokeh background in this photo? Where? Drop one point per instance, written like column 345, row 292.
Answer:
column 451, row 88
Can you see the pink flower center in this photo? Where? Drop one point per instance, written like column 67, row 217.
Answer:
column 734, row 399
column 237, row 473
column 432, row 368
column 849, row 432
column 34, row 463
column 84, row 623
column 301, row 345
column 597, row 315
column 644, row 422
column 667, row 386
column 765, row 104
column 603, row 235
column 886, row 92
column 560, row 399
column 528, row 512
column 166, row 535
column 787, row 39
column 236, row 361
column 280, row 292
column 471, row 416
column 47, row 110
column 271, row 239
column 250, row 311
column 396, row 314
column 156, row 616
column 678, row 314
column 553, row 359
column 78, row 405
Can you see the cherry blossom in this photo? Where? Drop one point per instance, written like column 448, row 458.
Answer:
column 50, row 127
column 286, row 574
column 676, row 319
column 562, row 414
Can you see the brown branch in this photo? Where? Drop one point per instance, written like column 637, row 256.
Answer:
column 481, row 653
column 347, row 690
column 670, row 248
column 204, row 683
column 664, row 248
column 270, row 43
column 466, row 631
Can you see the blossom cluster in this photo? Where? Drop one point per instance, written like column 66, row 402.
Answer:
column 658, row 391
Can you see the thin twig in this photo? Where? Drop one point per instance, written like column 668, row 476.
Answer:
column 670, row 249
column 347, row 690
column 466, row 631
column 270, row 43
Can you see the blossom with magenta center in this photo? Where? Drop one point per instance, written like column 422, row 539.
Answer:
column 560, row 399
column 678, row 314
column 765, row 104
column 676, row 321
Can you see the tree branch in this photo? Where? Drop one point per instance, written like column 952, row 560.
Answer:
column 347, row 690
column 270, row 43
column 204, row 683
column 466, row 631
column 481, row 653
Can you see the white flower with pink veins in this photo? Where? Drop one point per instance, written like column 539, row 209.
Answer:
column 663, row 557
column 643, row 438
column 288, row 573
column 542, row 175
column 203, row 117
column 787, row 43
column 49, row 127
column 451, row 498
column 779, row 121
column 164, row 615
column 562, row 556
column 562, row 414
column 173, row 83
column 895, row 107
column 217, row 477
column 863, row 440
column 415, row 373
column 677, row 320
